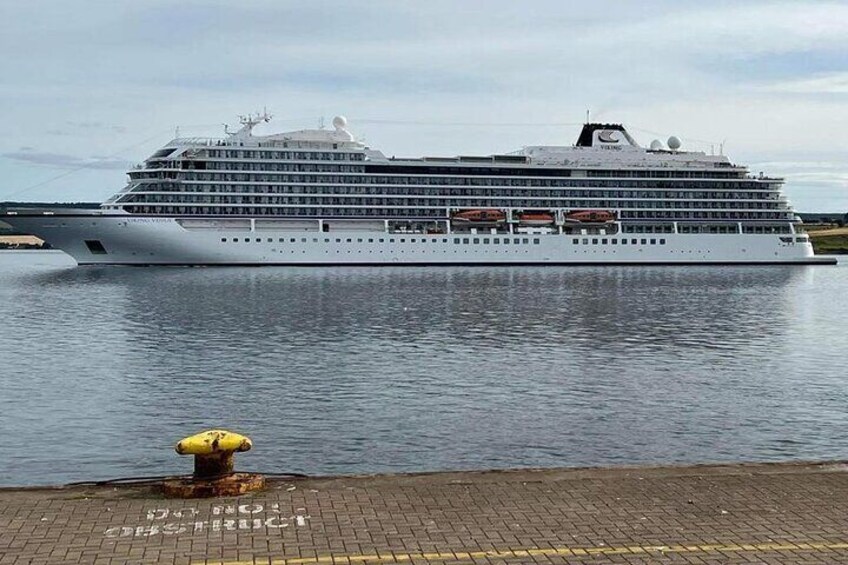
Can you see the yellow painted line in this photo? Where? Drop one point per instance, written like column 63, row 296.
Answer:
column 454, row 556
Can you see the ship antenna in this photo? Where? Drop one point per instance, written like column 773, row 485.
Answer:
column 587, row 115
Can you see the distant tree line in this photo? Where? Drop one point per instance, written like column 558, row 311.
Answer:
column 825, row 218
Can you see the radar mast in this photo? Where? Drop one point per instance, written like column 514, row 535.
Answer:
column 248, row 122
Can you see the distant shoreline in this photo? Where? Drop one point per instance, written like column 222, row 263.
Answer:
column 828, row 239
column 22, row 242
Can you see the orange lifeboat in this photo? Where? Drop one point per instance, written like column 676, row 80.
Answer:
column 480, row 217
column 591, row 216
column 535, row 218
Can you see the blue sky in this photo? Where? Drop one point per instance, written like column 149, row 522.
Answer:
column 89, row 88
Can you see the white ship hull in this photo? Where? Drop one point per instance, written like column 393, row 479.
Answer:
column 128, row 240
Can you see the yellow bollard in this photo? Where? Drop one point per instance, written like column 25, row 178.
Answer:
column 213, row 452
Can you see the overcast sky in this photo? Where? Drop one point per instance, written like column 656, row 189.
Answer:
column 88, row 88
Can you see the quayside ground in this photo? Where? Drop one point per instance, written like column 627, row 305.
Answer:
column 771, row 513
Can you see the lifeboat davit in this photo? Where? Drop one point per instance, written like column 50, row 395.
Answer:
column 591, row 216
column 536, row 218
column 479, row 217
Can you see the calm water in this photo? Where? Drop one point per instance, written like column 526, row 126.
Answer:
column 353, row 370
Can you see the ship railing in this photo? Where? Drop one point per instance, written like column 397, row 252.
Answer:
column 211, row 142
column 761, row 176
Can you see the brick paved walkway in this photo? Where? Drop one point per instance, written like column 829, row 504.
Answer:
column 725, row 514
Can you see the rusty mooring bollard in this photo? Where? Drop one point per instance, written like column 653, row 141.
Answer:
column 213, row 452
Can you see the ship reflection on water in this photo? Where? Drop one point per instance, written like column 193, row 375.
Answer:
column 347, row 370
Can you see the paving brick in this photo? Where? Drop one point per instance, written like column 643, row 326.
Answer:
column 697, row 515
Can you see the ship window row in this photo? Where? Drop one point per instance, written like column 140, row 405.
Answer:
column 313, row 212
column 538, row 171
column 663, row 174
column 767, row 229
column 697, row 192
column 616, row 241
column 287, row 155
column 481, row 240
column 417, row 178
column 686, row 215
column 329, row 212
column 639, row 228
column 425, row 240
column 276, row 167
column 235, row 190
column 151, row 166
column 354, row 178
column 321, row 200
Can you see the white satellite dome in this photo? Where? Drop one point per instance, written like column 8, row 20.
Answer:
column 339, row 122
column 673, row 143
column 656, row 145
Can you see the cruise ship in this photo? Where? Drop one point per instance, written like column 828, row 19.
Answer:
column 321, row 197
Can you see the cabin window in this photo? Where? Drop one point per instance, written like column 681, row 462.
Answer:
column 594, row 241
column 662, row 242
column 653, row 242
column 644, row 242
column 476, row 240
column 224, row 240
column 536, row 241
column 485, row 240
column 465, row 240
column 573, row 241
column 456, row 240
column 634, row 241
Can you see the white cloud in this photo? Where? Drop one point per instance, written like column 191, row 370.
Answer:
column 65, row 161
column 833, row 83
column 677, row 67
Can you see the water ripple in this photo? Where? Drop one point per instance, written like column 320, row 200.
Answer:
column 409, row 369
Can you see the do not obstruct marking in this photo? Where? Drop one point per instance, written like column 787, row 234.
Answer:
column 221, row 518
